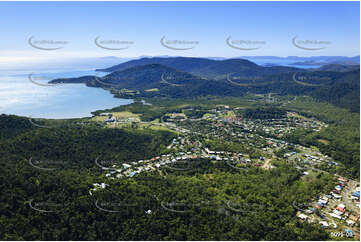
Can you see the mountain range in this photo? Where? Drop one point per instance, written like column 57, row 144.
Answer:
column 186, row 77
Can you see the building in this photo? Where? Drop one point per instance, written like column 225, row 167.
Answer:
column 341, row 207
column 110, row 120
column 335, row 216
column 132, row 174
column 104, row 114
column 302, row 216
column 324, row 224
column 350, row 222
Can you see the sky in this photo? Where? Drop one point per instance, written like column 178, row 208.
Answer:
column 201, row 29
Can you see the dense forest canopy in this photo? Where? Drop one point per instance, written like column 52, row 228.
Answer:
column 262, row 199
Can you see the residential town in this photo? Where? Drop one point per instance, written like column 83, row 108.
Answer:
column 336, row 211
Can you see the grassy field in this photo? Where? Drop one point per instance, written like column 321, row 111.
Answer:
column 229, row 114
column 125, row 114
column 323, row 141
column 155, row 127
column 289, row 114
column 207, row 115
column 117, row 115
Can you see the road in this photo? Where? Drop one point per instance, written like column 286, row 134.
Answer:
column 267, row 164
column 346, row 196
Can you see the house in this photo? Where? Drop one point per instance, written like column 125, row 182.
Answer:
column 324, row 224
column 319, row 205
column 302, row 216
column 101, row 185
column 336, row 196
column 342, row 179
column 110, row 120
column 350, row 222
column 335, row 191
column 325, row 198
column 337, row 212
column 341, row 207
column 338, row 188
column 132, row 173
column 322, row 201
column 356, row 194
column 335, row 216
column 311, row 210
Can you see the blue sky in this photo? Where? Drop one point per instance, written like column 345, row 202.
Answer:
column 208, row 23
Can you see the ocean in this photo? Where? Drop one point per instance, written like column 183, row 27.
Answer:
column 20, row 96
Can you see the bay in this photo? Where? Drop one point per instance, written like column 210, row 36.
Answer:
column 20, row 96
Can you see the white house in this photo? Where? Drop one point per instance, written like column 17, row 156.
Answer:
column 324, row 224
column 302, row 216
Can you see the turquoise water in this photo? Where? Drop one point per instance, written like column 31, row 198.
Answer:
column 19, row 96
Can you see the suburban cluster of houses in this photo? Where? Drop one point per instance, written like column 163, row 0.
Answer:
column 112, row 119
column 338, row 210
column 315, row 158
column 180, row 151
column 279, row 127
column 230, row 131
column 228, row 127
column 307, row 157
column 218, row 127
column 244, row 130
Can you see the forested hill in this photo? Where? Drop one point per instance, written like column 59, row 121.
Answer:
column 338, row 68
column 343, row 93
column 212, row 201
column 185, row 77
column 150, row 76
column 206, row 67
